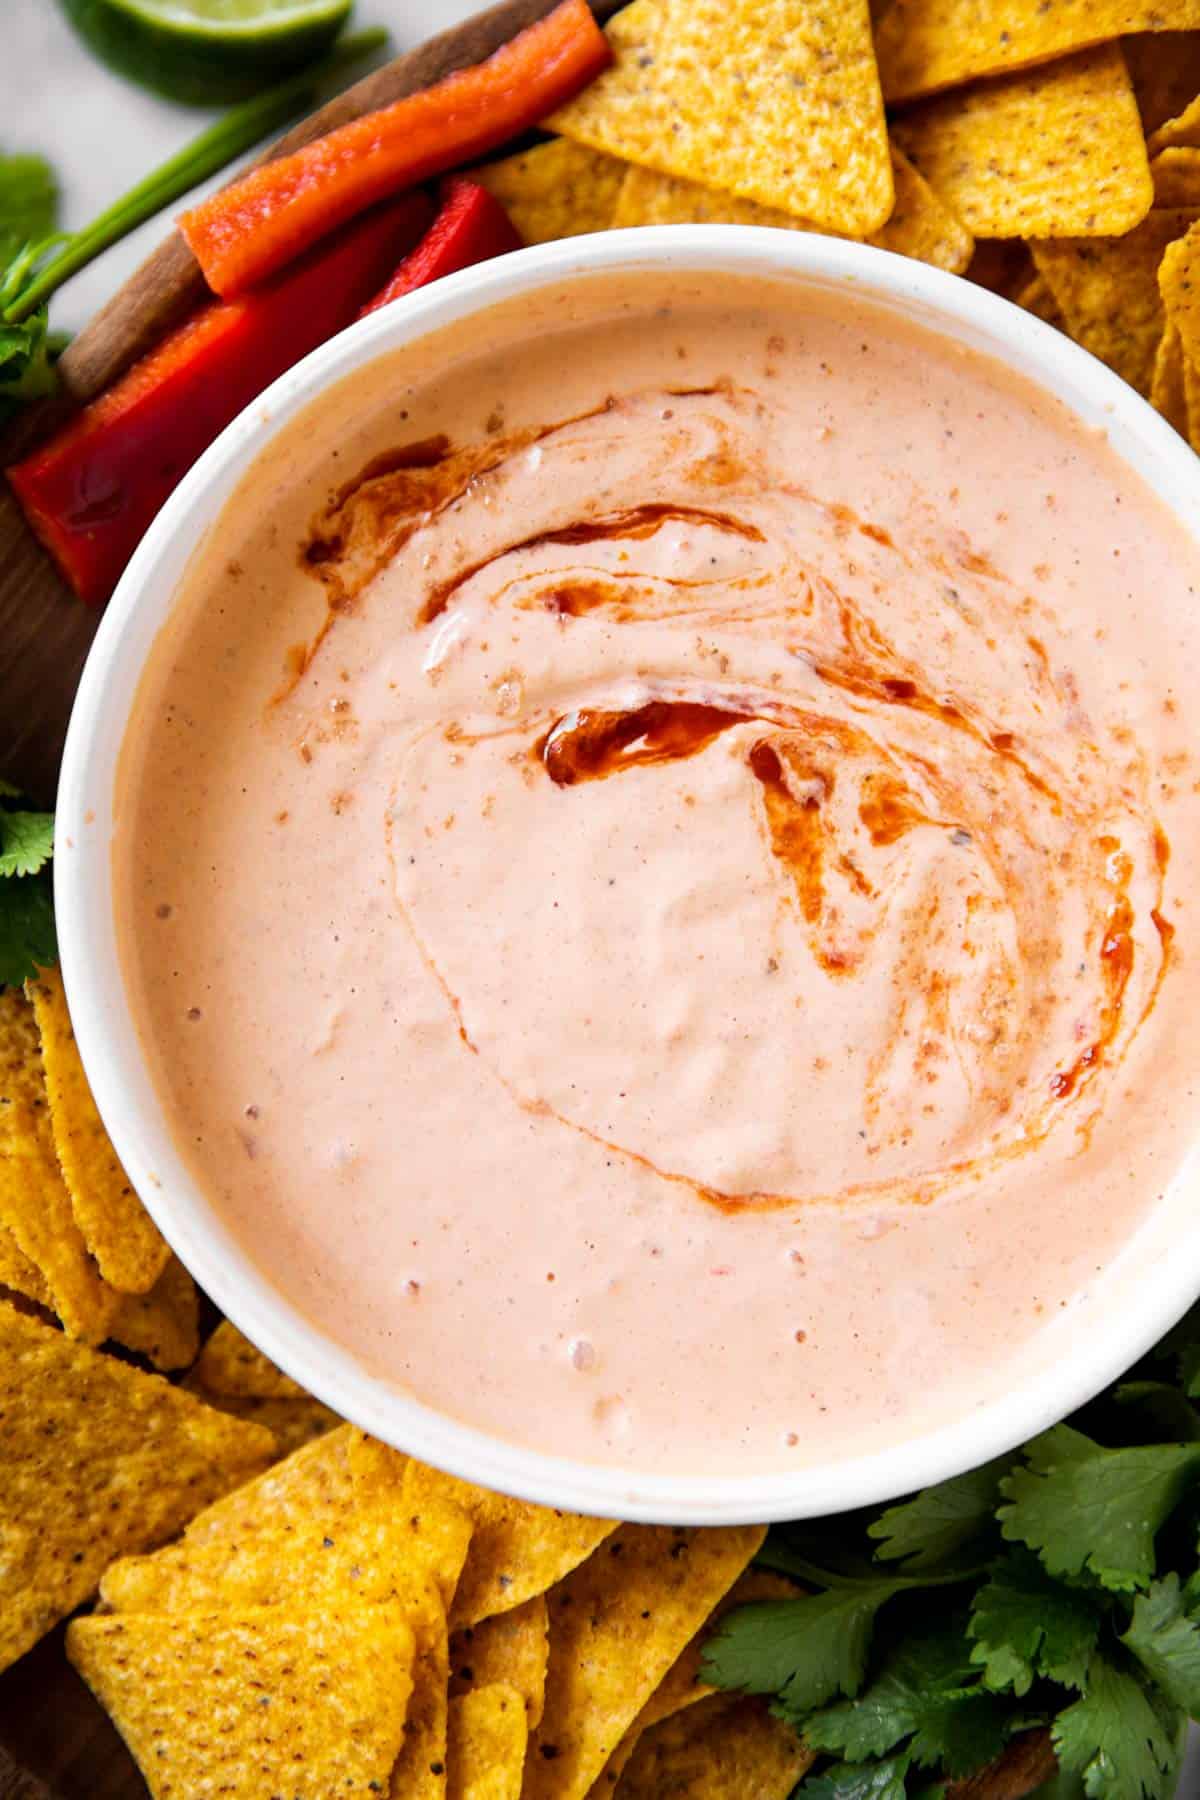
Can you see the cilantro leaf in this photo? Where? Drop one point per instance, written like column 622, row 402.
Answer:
column 805, row 1650
column 1087, row 1510
column 1167, row 1643
column 27, row 937
column 1025, row 1624
column 1064, row 1784
column 858, row 1781
column 1116, row 1740
column 28, row 202
column 26, row 842
column 923, row 1699
column 929, row 1529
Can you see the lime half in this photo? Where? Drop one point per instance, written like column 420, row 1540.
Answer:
column 207, row 52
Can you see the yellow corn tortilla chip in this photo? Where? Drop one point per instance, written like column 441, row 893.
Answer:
column 1107, row 291
column 488, row 1735
column 99, row 1459
column 517, row 1549
column 555, row 190
column 420, row 1771
column 717, row 1752
column 163, row 1325
column 303, row 1529
column 1176, row 177
column 1168, row 393
column 1179, row 285
column 1164, row 67
column 512, row 1647
column 294, row 1422
column 1182, row 131
column 681, row 1686
column 617, row 1623
column 230, row 1364
column 787, row 111
column 920, row 226
column 246, row 1704
column 19, row 1274
column 35, row 1207
column 1037, row 298
column 438, row 1529
column 1055, row 153
column 924, row 45
column 119, row 1232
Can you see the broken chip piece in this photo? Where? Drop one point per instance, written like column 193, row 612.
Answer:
column 720, row 1750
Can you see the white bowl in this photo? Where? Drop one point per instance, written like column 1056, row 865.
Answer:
column 1130, row 1304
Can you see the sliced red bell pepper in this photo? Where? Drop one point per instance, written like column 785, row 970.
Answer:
column 91, row 490
column 471, row 227
column 257, row 224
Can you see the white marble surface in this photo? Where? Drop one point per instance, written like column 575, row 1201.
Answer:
column 102, row 135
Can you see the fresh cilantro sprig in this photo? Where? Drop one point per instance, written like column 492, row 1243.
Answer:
column 35, row 259
column 1058, row 1588
column 27, row 939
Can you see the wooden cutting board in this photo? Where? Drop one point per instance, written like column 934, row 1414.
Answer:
column 56, row 1743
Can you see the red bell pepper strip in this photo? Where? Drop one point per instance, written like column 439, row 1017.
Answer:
column 257, row 224
column 471, row 227
column 91, row 490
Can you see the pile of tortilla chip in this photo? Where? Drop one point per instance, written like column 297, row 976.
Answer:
column 353, row 1622
column 1049, row 151
column 75, row 1240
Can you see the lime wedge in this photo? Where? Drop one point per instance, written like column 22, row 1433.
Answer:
column 207, row 52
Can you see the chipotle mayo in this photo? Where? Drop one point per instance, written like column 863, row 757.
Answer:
column 655, row 862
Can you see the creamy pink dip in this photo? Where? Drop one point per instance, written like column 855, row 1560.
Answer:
column 654, row 862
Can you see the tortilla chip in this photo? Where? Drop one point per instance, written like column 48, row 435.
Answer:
column 517, row 1549
column 1168, row 393
column 681, row 1686
column 1107, row 291
column 1037, row 298
column 1164, row 67
column 488, row 1734
column 617, row 1623
column 119, row 1232
column 555, row 190
column 1055, row 153
column 252, row 1703
column 1176, row 177
column 1182, row 131
column 302, row 1530
column 789, row 114
column 512, row 1647
column 924, row 45
column 163, row 1325
column 19, row 1274
column 35, row 1207
column 420, row 1771
column 294, row 1422
column 717, row 1752
column 1002, row 265
column 230, row 1364
column 920, row 226
column 99, row 1459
